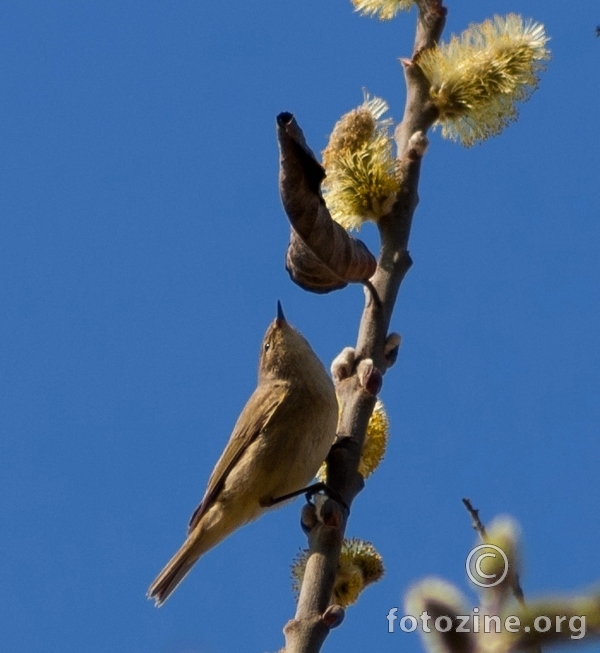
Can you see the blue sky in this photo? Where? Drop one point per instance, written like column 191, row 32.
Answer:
column 142, row 244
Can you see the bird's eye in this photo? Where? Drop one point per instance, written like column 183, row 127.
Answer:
column 267, row 346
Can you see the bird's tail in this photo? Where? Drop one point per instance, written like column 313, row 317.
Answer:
column 174, row 572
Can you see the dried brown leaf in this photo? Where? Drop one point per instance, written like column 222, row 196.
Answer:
column 322, row 256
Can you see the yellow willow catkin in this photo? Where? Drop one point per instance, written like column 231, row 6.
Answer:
column 376, row 440
column 383, row 9
column 375, row 444
column 477, row 78
column 360, row 565
column 361, row 182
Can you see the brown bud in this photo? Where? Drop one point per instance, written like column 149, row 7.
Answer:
column 417, row 145
column 369, row 376
column 333, row 616
column 343, row 364
column 331, row 514
column 308, row 518
column 391, row 348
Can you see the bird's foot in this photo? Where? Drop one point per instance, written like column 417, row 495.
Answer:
column 309, row 493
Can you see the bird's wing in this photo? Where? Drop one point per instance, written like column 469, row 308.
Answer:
column 257, row 413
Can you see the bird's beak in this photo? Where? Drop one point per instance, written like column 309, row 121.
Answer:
column 280, row 316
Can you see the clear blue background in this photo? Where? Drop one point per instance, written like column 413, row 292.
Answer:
column 141, row 255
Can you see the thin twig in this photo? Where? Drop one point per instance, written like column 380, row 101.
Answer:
column 515, row 585
column 477, row 525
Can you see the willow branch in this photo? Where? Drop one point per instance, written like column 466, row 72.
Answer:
column 357, row 392
column 475, row 520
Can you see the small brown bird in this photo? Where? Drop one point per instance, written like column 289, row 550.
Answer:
column 278, row 443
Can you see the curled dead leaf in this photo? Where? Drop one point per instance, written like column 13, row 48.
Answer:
column 321, row 256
